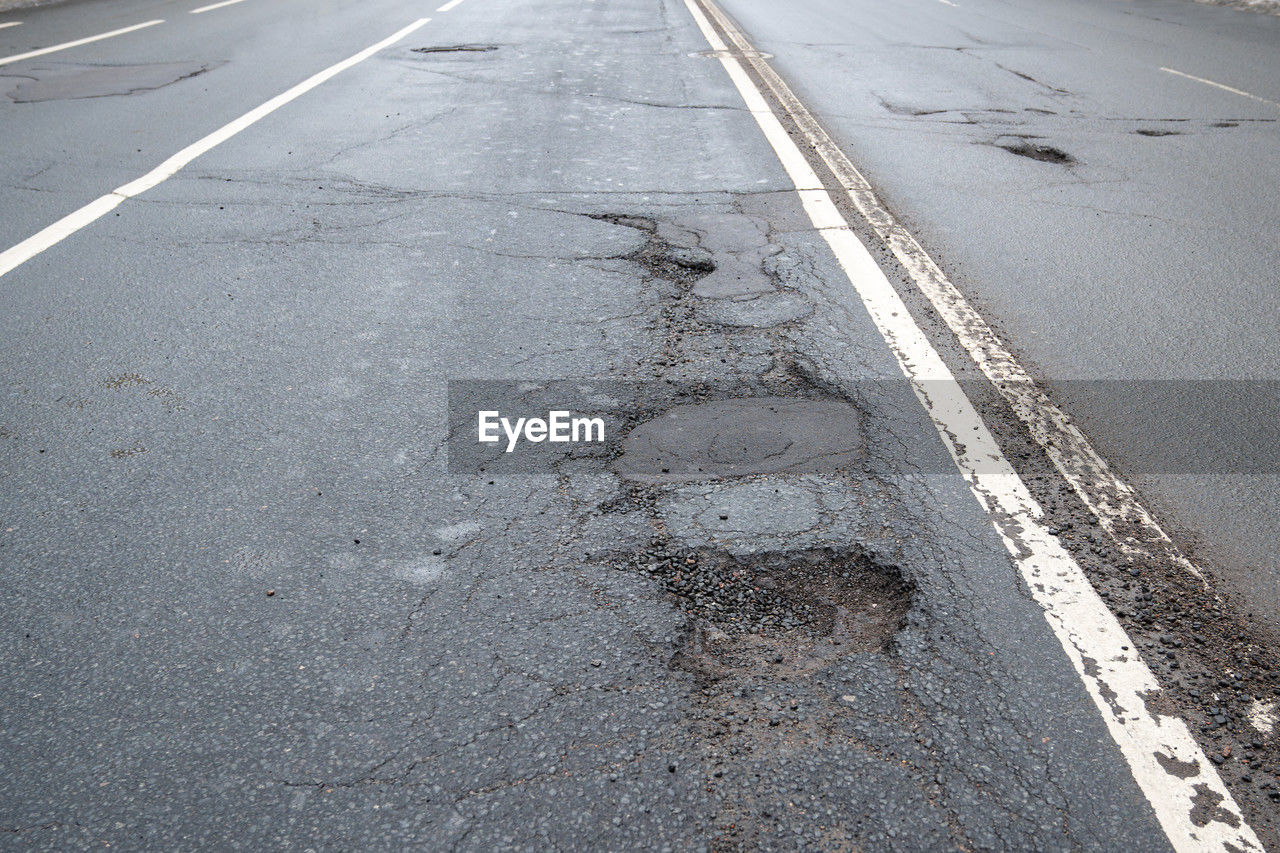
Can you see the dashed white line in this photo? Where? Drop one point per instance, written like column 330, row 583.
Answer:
column 447, row 6
column 1116, row 678
column 60, row 230
column 1221, row 86
column 213, row 6
column 10, row 24
column 42, row 51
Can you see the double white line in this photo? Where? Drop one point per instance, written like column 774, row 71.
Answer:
column 1114, row 675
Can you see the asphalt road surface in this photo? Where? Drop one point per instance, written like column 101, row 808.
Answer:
column 835, row 577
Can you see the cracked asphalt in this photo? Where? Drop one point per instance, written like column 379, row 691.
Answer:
column 260, row 592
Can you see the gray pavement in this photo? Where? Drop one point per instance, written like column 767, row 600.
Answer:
column 1150, row 259
column 251, row 599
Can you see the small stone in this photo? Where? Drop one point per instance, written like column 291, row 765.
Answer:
column 270, row 593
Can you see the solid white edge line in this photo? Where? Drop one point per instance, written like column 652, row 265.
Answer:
column 1224, row 88
column 51, row 235
column 42, row 51
column 1115, row 677
column 10, row 24
column 213, row 6
column 1109, row 498
column 447, row 6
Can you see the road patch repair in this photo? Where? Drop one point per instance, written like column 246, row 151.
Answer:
column 853, row 645
column 1193, row 805
column 69, row 82
column 515, row 439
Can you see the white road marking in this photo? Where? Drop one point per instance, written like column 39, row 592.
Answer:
column 1109, row 498
column 949, row 3
column 42, row 51
column 55, row 233
column 1224, row 88
column 447, row 6
column 213, row 6
column 10, row 24
column 1262, row 716
column 1116, row 678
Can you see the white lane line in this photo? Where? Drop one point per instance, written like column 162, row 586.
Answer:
column 42, row 51
column 1115, row 677
column 10, row 24
column 51, row 235
column 1224, row 88
column 213, row 6
column 1109, row 498
column 949, row 3
column 447, row 6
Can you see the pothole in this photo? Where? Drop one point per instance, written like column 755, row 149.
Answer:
column 661, row 258
column 457, row 48
column 764, row 634
column 778, row 614
column 742, row 436
column 1153, row 132
column 1035, row 151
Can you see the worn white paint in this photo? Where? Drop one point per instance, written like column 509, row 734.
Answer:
column 1115, row 677
column 1262, row 716
column 1241, row 92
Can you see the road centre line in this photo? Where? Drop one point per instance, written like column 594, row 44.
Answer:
column 213, row 6
column 1115, row 677
column 68, row 225
column 447, row 6
column 1224, row 88
column 10, row 24
column 42, row 51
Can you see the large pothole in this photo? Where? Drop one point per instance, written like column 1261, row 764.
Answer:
column 779, row 614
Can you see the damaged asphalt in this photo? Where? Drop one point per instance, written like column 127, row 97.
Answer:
column 253, row 600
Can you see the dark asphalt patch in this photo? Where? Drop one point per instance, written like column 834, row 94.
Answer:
column 740, row 437
column 63, row 83
column 1034, row 151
